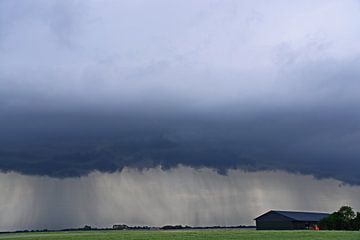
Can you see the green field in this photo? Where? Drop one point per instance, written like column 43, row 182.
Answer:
column 187, row 234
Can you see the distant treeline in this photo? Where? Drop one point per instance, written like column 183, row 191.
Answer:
column 174, row 227
column 126, row 227
column 343, row 219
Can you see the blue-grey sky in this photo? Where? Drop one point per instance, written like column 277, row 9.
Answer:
column 176, row 112
column 103, row 85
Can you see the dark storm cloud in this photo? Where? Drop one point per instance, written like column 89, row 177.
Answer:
column 322, row 142
column 88, row 86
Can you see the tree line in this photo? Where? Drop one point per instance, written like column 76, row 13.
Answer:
column 343, row 219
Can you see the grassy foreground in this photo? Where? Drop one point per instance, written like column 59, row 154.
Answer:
column 187, row 234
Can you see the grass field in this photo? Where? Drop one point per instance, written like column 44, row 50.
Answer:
column 186, row 234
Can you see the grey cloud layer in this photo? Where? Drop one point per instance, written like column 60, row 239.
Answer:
column 322, row 142
column 88, row 86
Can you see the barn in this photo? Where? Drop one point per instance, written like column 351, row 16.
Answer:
column 288, row 220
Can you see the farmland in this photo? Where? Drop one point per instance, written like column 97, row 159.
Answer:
column 185, row 235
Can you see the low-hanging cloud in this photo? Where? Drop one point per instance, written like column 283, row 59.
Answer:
column 88, row 86
column 323, row 144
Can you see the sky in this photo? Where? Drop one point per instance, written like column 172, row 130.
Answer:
column 96, row 91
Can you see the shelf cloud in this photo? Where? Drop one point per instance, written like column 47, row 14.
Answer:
column 88, row 86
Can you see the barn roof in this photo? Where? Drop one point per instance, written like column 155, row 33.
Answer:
column 299, row 216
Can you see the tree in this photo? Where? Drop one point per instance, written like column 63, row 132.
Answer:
column 347, row 214
column 87, row 227
column 343, row 219
column 356, row 222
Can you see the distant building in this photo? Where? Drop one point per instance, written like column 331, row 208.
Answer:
column 120, row 226
column 288, row 220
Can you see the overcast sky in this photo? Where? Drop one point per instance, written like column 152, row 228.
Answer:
column 100, row 85
column 247, row 85
column 196, row 55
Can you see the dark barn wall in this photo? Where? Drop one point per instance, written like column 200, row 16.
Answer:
column 274, row 225
column 273, row 221
column 283, row 225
